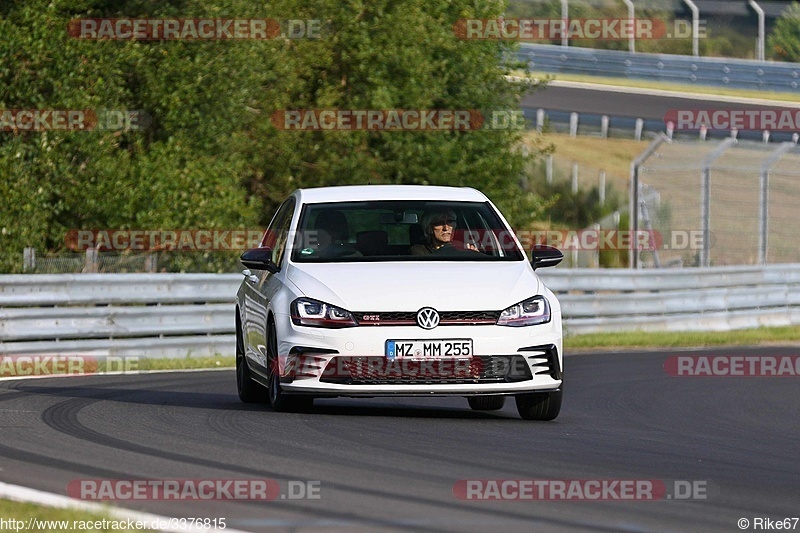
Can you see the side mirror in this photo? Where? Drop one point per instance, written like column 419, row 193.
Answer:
column 259, row 259
column 545, row 256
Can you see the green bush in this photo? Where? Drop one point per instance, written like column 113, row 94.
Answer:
column 211, row 158
column 784, row 42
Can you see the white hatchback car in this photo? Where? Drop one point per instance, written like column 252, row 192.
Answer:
column 397, row 290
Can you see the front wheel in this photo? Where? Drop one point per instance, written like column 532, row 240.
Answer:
column 539, row 405
column 280, row 401
column 249, row 391
column 486, row 403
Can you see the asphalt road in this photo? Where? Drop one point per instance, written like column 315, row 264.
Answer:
column 623, row 108
column 622, row 104
column 392, row 464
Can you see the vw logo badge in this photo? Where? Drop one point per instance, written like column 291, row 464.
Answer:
column 427, row 318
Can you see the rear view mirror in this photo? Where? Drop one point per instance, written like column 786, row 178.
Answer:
column 398, row 217
column 545, row 256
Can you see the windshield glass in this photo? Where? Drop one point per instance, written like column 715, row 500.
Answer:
column 402, row 231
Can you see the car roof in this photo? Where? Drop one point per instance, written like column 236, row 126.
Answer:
column 356, row 193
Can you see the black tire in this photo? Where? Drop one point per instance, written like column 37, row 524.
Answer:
column 539, row 405
column 249, row 390
column 486, row 403
column 280, row 401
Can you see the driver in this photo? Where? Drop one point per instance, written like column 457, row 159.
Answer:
column 438, row 227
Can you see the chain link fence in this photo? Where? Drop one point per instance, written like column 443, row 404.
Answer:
column 92, row 261
column 717, row 203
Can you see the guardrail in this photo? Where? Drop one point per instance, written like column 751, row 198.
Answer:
column 156, row 315
column 604, row 126
column 175, row 315
column 701, row 71
column 692, row 299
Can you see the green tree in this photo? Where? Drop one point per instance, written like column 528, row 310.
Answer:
column 211, row 157
column 785, row 38
column 179, row 173
column 395, row 55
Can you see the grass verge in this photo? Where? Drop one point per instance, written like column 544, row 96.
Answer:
column 187, row 363
column 684, row 339
column 55, row 519
column 592, row 154
column 787, row 335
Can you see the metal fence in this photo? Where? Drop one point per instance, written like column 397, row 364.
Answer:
column 93, row 261
column 605, row 126
column 709, row 299
column 175, row 315
column 166, row 315
column 708, row 71
column 592, row 124
column 717, row 203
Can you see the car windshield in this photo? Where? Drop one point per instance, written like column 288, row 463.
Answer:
column 402, row 231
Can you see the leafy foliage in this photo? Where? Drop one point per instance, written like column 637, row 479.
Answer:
column 211, row 158
column 785, row 38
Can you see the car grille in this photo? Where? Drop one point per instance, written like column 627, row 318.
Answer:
column 409, row 318
column 377, row 370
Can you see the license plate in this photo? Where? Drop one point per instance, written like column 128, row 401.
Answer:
column 429, row 348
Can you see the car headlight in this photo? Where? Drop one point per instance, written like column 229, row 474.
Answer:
column 529, row 312
column 308, row 312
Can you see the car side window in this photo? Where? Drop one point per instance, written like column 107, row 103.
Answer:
column 278, row 232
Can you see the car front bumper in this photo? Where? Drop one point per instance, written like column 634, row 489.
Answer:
column 353, row 362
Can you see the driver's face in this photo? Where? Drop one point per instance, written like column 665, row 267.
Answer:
column 443, row 230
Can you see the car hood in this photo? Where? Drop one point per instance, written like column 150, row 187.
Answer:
column 409, row 286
